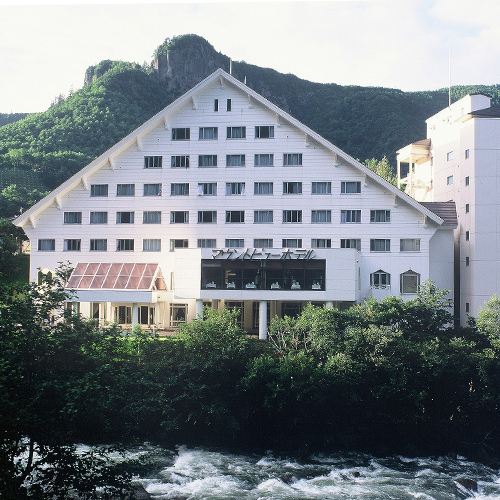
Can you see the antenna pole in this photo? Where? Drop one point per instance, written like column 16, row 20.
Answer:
column 449, row 76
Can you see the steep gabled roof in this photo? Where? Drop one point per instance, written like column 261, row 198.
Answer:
column 162, row 117
column 447, row 210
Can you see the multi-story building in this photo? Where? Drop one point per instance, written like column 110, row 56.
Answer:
column 224, row 199
column 460, row 161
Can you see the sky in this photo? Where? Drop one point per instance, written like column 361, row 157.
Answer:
column 405, row 44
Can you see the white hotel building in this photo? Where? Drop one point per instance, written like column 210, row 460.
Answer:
column 223, row 199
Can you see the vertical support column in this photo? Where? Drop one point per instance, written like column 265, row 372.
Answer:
column 410, row 174
column 199, row 309
column 399, row 172
column 135, row 314
column 263, row 320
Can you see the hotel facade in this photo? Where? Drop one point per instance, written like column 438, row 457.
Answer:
column 223, row 199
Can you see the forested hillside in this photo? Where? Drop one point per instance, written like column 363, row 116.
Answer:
column 40, row 151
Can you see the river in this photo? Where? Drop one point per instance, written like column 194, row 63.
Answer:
column 196, row 474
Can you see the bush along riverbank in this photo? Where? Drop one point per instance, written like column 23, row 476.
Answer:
column 383, row 377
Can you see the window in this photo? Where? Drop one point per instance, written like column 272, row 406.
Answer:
column 264, row 132
column 181, row 134
column 263, row 216
column 236, row 132
column 208, row 133
column 449, row 156
column 467, row 307
column 207, row 161
column 467, row 180
column 380, row 245
column 350, row 216
column 292, row 160
column 179, row 217
column 72, row 217
column 153, row 161
column 98, row 245
column 216, row 105
column 321, row 188
column 449, row 180
column 181, row 161
column 350, row 243
column 151, row 245
column 181, row 189
column 207, row 217
column 467, row 208
column 98, row 190
column 409, row 245
column 228, row 105
column 178, row 244
column 123, row 315
column 263, row 243
column 467, row 235
column 292, row 188
column 467, row 261
column 206, row 243
column 207, row 189
column 380, row 279
column 235, row 160
column 124, row 245
column 235, row 188
column 124, row 217
column 152, row 190
column 178, row 314
column 125, row 190
column 151, row 217
column 264, row 160
column 321, row 216
column 350, row 187
column 467, row 154
column 409, row 282
column 292, row 216
column 291, row 243
column 72, row 245
column 235, row 242
column 98, row 217
column 46, row 245
column 263, row 188
column 321, row 243
column 380, row 216
column 235, row 216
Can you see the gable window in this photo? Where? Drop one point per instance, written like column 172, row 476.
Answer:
column 206, row 243
column 264, row 132
column 228, row 104
column 380, row 245
column 380, row 279
column 409, row 245
column 292, row 159
column 125, row 245
column 236, row 132
column 207, row 189
column 291, row 243
column 292, row 216
column 179, row 161
column 207, row 217
column 235, row 188
column 151, row 245
column 409, row 282
column 98, row 190
column 321, row 243
column 350, row 187
column 264, row 160
column 321, row 216
column 47, row 245
column 321, row 188
column 124, row 217
column 264, row 188
column 152, row 190
column 350, row 216
column 208, row 133
column 235, row 160
column 178, row 244
column 72, row 245
column 125, row 190
column 216, row 105
column 449, row 180
column 72, row 217
column 207, row 161
column 153, row 161
column 263, row 216
column 98, row 217
column 380, row 216
column 263, row 243
column 181, row 134
column 151, row 217
column 235, row 216
column 98, row 245
column 234, row 242
column 179, row 217
column 350, row 243
column 179, row 189
column 292, row 188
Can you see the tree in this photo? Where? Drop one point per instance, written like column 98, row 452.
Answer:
column 382, row 168
column 488, row 320
column 11, row 259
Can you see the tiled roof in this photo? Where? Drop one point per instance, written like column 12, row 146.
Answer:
column 447, row 210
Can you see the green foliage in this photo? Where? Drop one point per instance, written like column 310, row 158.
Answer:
column 12, row 262
column 488, row 320
column 382, row 168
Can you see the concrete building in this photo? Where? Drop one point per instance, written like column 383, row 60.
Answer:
column 459, row 161
column 223, row 199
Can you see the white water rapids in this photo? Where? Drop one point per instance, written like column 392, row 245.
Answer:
column 198, row 474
